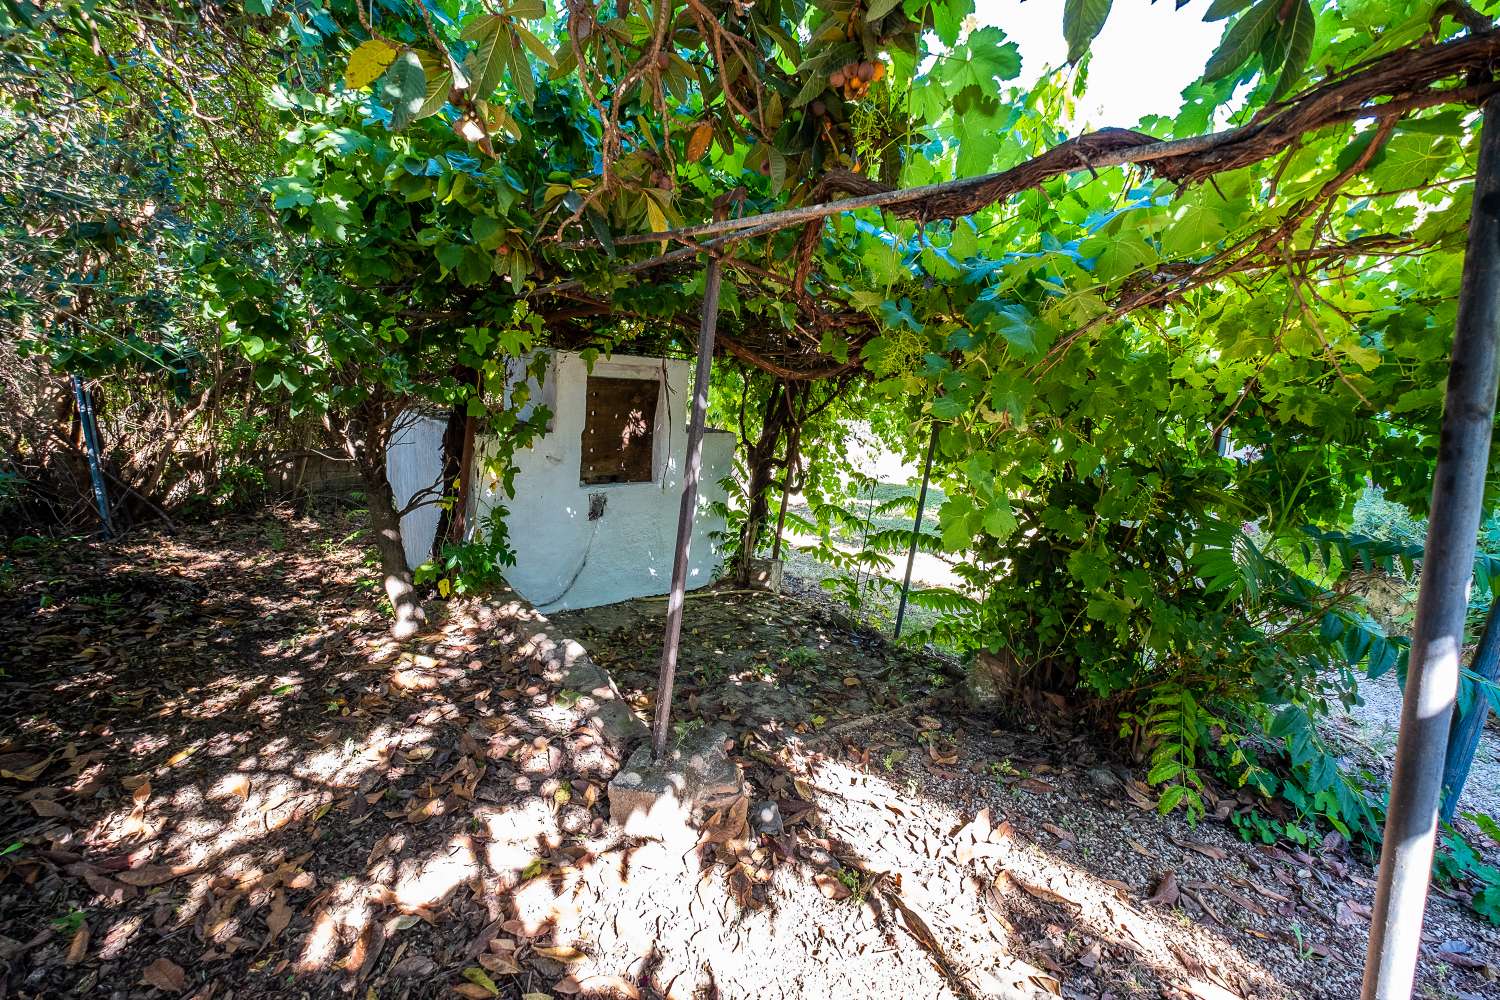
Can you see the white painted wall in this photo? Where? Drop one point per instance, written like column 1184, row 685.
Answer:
column 563, row 559
column 413, row 462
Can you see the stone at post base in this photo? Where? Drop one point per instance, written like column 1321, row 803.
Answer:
column 765, row 574
column 668, row 800
column 990, row 680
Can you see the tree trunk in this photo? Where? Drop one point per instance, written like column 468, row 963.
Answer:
column 386, row 525
column 367, row 434
column 452, row 516
column 784, row 412
column 760, row 460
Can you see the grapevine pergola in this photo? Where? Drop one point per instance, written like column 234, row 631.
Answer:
column 1385, row 89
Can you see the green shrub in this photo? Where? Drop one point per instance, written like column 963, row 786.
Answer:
column 471, row 567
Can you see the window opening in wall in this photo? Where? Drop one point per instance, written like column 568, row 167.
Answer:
column 619, row 428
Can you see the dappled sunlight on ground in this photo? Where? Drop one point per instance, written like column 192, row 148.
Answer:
column 966, row 872
column 288, row 804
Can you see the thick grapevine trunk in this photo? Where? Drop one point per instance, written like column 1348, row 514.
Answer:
column 366, row 437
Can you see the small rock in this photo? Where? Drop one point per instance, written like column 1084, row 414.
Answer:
column 765, row 818
column 667, row 799
column 574, row 819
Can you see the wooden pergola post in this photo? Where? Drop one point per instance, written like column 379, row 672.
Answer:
column 1442, row 600
column 661, row 721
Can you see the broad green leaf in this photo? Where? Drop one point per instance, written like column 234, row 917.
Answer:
column 487, row 232
column 476, row 266
column 520, row 71
column 1220, row 9
column 1121, row 255
column 999, row 519
column 437, row 95
column 404, row 86
column 983, row 58
column 1304, row 26
column 1082, row 22
column 947, row 18
column 490, row 54
column 1411, row 159
column 965, row 242
column 536, row 46
column 1241, row 40
column 1198, row 227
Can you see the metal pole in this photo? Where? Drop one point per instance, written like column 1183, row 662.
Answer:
column 91, row 447
column 1438, row 633
column 916, row 530
column 662, row 720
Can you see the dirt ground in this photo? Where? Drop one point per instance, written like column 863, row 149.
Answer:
column 219, row 779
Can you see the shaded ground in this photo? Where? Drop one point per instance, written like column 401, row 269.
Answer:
column 215, row 781
column 759, row 664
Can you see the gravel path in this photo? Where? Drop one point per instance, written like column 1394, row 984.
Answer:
column 1374, row 723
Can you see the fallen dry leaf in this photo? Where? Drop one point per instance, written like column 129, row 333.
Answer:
column 78, row 948
column 501, row 964
column 1066, row 836
column 1041, row 892
column 942, row 756
column 48, row 809
column 830, row 886
column 165, row 974
column 978, row 828
column 1207, row 850
column 1166, row 892
column 423, row 811
column 480, row 980
column 180, row 756
column 1348, row 916
column 278, row 918
column 149, row 875
column 23, row 766
column 1209, row 991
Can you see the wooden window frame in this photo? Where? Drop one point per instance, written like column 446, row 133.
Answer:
column 635, row 462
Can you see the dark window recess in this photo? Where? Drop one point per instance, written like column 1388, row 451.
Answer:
column 618, row 426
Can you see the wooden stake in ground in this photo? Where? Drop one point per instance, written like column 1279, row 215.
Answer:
column 1442, row 600
column 662, row 721
column 916, row 531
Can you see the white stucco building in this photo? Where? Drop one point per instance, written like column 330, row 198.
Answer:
column 594, row 517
